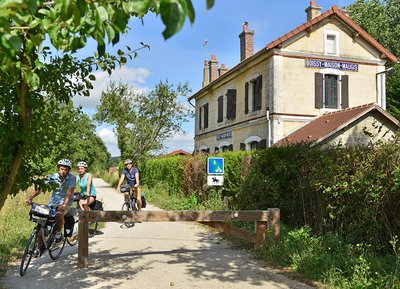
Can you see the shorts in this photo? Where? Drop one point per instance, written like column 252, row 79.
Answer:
column 66, row 210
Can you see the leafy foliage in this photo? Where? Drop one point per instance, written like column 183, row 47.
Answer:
column 380, row 18
column 34, row 81
column 143, row 120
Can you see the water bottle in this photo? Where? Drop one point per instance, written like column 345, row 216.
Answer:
column 52, row 213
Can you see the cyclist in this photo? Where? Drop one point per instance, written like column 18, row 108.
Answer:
column 62, row 196
column 131, row 174
column 85, row 182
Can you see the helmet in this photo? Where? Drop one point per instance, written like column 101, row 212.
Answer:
column 64, row 162
column 127, row 161
column 82, row 164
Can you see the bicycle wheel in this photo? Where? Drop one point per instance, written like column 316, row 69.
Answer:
column 55, row 249
column 29, row 249
column 127, row 207
column 92, row 229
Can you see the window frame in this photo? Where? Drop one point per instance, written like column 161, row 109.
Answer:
column 335, row 34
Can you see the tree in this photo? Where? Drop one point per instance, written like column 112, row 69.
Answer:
column 380, row 18
column 31, row 76
column 142, row 120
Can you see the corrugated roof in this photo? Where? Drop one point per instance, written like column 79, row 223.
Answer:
column 330, row 123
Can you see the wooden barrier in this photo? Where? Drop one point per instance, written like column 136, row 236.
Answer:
column 264, row 221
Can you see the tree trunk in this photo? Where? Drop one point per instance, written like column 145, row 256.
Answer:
column 19, row 145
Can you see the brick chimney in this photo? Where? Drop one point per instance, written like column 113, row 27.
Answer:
column 213, row 63
column 246, row 42
column 222, row 70
column 313, row 10
column 206, row 73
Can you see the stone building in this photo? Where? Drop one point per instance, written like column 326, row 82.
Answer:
column 323, row 66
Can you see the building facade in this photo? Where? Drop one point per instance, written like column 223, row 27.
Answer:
column 325, row 65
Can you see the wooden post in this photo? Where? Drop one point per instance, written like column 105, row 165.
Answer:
column 261, row 227
column 83, row 241
column 274, row 216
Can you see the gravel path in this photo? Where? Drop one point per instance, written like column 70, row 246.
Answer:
column 150, row 255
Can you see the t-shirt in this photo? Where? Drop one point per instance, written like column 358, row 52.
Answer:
column 82, row 183
column 59, row 194
column 130, row 176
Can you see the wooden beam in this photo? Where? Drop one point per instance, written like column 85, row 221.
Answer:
column 174, row 216
column 83, row 247
column 229, row 229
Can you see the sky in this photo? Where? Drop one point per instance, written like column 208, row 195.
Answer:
column 180, row 59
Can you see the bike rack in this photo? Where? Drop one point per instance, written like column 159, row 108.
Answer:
column 268, row 220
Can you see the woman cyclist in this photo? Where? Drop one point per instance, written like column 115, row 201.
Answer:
column 85, row 183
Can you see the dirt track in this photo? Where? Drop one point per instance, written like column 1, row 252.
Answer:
column 150, row 255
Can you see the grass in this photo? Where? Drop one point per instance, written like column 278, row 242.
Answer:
column 15, row 227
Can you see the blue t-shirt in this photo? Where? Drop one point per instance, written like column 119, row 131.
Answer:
column 130, row 176
column 59, row 194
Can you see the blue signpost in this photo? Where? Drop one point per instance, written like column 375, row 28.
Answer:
column 215, row 166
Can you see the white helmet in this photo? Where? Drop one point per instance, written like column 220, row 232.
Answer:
column 65, row 163
column 82, row 164
column 127, row 161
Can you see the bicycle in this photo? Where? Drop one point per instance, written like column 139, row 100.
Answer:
column 130, row 204
column 44, row 217
column 96, row 205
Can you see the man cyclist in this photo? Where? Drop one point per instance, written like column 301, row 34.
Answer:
column 62, row 196
column 131, row 174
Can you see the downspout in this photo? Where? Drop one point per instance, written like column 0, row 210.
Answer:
column 269, row 129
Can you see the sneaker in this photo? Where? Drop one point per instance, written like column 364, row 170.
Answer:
column 36, row 253
column 58, row 237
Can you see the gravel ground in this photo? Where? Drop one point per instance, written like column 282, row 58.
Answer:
column 150, row 255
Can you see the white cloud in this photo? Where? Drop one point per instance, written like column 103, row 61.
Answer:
column 110, row 140
column 134, row 76
column 180, row 142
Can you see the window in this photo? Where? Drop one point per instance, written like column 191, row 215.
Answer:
column 205, row 109
column 231, row 104
column 253, row 145
column 246, row 98
column 200, row 118
column 256, row 93
column 331, row 91
column 220, row 116
column 331, row 42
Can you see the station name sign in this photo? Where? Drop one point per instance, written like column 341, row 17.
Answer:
column 331, row 64
column 227, row 134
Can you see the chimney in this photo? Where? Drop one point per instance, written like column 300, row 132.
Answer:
column 222, row 70
column 313, row 11
column 206, row 74
column 246, row 42
column 213, row 63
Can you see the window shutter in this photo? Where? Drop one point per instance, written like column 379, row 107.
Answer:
column 258, row 90
column 230, row 147
column 319, row 90
column 262, row 144
column 206, row 115
column 200, row 118
column 246, row 98
column 345, row 91
column 242, row 146
column 231, row 104
column 220, row 109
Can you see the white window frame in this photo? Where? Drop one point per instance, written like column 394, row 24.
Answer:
column 203, row 147
column 251, row 139
column 336, row 44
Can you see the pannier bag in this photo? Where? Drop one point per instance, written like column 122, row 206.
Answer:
column 69, row 223
column 143, row 200
column 96, row 205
